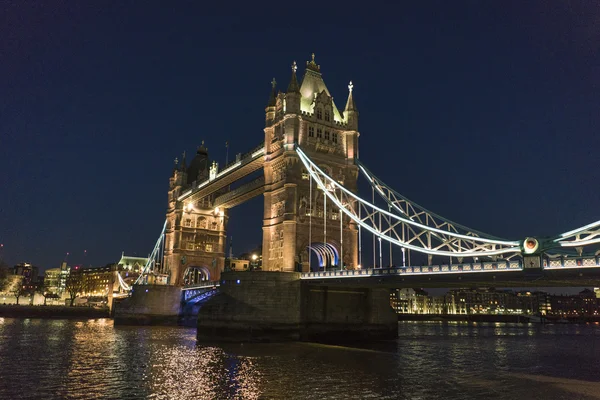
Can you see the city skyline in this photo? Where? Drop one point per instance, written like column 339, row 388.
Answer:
column 93, row 123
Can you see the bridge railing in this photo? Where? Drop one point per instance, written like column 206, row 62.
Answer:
column 571, row 262
column 422, row 270
column 201, row 285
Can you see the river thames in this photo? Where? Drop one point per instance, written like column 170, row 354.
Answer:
column 61, row 359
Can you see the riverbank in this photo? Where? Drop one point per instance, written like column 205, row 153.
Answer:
column 496, row 318
column 59, row 312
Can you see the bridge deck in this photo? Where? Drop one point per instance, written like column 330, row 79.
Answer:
column 231, row 173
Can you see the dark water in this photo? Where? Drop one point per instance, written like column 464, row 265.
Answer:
column 58, row 359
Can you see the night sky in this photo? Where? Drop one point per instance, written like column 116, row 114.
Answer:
column 484, row 112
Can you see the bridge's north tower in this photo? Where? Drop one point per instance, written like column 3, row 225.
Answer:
column 307, row 115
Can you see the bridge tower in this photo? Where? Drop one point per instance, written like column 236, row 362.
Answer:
column 306, row 114
column 195, row 233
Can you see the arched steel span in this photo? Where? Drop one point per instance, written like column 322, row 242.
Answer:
column 156, row 256
column 586, row 235
column 434, row 235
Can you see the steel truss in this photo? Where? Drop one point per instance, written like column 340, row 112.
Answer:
column 156, row 257
column 409, row 226
column 586, row 235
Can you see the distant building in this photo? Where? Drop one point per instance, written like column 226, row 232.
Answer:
column 480, row 301
column 415, row 301
column 27, row 271
column 255, row 258
column 238, row 264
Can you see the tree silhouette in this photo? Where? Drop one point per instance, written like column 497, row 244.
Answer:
column 74, row 285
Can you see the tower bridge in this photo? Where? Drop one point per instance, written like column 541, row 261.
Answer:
column 309, row 171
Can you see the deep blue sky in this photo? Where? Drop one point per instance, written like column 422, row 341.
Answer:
column 485, row 112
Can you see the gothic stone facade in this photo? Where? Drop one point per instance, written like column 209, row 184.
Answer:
column 195, row 234
column 306, row 115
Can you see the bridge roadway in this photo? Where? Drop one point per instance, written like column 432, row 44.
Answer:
column 241, row 167
column 588, row 276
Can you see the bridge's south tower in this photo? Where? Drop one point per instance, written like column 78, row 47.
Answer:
column 195, row 233
column 306, row 114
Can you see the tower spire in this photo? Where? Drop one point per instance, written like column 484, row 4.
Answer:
column 273, row 96
column 293, row 86
column 350, row 105
column 183, row 166
column 312, row 65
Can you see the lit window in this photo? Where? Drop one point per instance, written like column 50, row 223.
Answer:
column 190, row 246
column 305, row 175
column 334, row 216
column 319, row 133
column 319, row 114
column 311, row 131
column 209, row 247
column 326, row 115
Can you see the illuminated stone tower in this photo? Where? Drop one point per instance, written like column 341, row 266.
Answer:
column 306, row 114
column 195, row 235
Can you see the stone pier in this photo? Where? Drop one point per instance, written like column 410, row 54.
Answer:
column 149, row 305
column 274, row 306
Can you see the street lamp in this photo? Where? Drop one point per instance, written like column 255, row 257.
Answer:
column 254, row 258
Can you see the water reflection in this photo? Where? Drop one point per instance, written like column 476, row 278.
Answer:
column 57, row 359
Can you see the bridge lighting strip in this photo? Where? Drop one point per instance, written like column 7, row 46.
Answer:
column 370, row 275
column 307, row 162
column 580, row 243
column 575, row 267
column 574, row 231
column 200, row 287
column 222, row 173
column 370, row 176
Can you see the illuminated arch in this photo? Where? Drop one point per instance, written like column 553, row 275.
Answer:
column 326, row 253
column 195, row 275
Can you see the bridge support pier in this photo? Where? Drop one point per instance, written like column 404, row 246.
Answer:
column 276, row 306
column 149, row 305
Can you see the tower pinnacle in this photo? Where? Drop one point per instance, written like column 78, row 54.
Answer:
column 293, row 86
column 312, row 65
column 273, row 95
column 350, row 105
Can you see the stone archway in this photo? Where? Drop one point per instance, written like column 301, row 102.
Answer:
column 196, row 275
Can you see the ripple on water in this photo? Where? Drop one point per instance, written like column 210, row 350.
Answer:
column 59, row 359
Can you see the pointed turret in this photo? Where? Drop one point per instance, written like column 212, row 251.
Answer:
column 293, row 86
column 273, row 96
column 351, row 112
column 312, row 65
column 292, row 97
column 272, row 105
column 198, row 169
column 313, row 86
column 183, row 166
